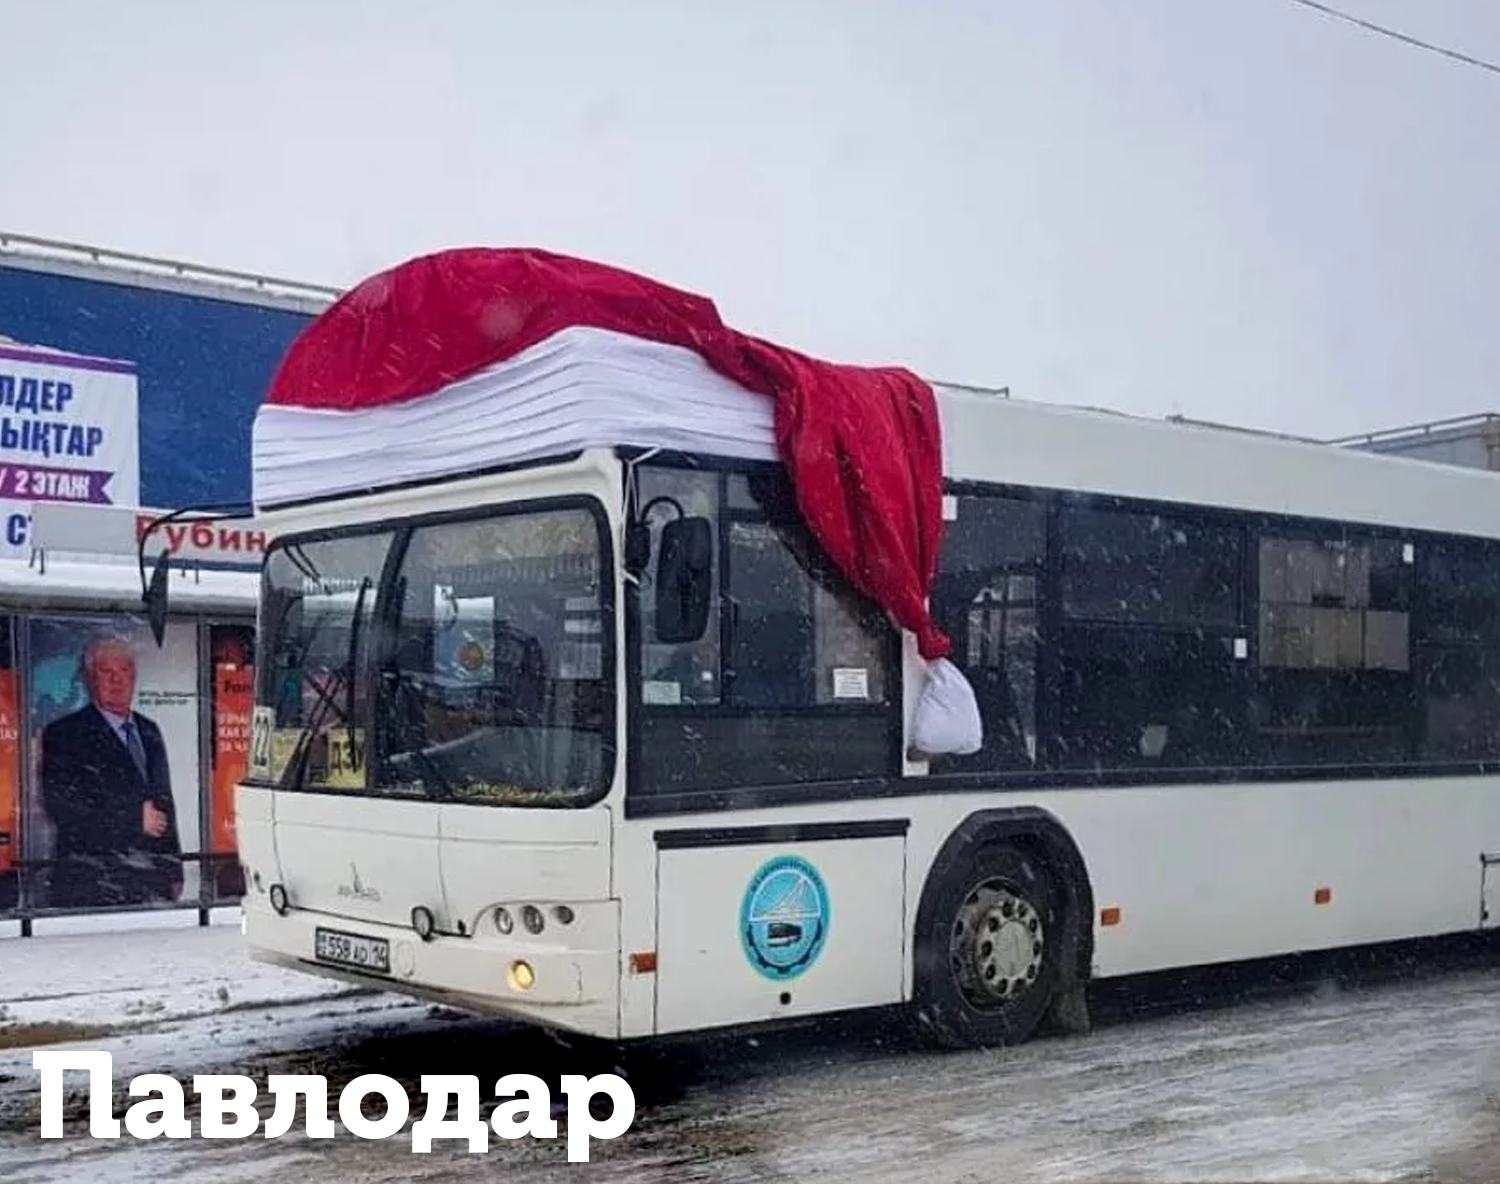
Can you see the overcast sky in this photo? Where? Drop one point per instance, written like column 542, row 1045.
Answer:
column 1230, row 209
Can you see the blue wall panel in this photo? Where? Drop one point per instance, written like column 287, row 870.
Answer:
column 203, row 367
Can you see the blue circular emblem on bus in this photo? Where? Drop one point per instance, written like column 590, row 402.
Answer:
column 784, row 917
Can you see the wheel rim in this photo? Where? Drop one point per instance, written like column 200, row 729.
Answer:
column 997, row 945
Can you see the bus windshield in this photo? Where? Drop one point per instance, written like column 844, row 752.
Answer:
column 464, row 659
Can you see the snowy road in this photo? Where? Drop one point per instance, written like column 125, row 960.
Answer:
column 1386, row 1081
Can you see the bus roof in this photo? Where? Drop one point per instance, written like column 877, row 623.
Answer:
column 587, row 389
column 1012, row 441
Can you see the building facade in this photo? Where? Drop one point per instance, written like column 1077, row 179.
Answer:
column 125, row 382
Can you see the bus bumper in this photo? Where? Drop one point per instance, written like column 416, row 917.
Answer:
column 506, row 974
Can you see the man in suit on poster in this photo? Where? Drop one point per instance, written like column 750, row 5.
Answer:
column 106, row 785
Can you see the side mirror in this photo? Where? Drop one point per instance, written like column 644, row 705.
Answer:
column 684, row 579
column 155, row 597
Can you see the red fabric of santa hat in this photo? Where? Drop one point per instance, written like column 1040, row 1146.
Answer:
column 479, row 331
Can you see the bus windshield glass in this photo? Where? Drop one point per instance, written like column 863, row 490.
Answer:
column 474, row 654
column 318, row 596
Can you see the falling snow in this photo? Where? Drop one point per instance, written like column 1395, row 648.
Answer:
column 1375, row 1081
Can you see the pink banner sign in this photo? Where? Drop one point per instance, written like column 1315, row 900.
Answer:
column 37, row 484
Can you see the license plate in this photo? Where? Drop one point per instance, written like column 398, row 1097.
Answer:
column 350, row 949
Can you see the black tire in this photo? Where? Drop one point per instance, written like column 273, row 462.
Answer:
column 1003, row 891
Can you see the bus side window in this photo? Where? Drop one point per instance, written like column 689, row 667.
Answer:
column 1456, row 649
column 1152, row 608
column 793, row 683
column 986, row 600
column 1335, row 678
column 679, row 673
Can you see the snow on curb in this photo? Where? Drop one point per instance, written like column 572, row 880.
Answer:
column 112, row 981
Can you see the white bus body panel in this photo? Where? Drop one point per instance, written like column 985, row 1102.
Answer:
column 1201, row 874
column 363, row 859
column 496, row 856
column 1218, row 873
column 375, row 860
column 461, row 862
column 706, row 978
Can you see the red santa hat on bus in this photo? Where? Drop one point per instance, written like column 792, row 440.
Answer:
column 472, row 357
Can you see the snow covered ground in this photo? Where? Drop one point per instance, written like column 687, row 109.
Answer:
column 118, row 980
column 1393, row 1081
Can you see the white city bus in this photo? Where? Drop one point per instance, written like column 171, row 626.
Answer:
column 1241, row 698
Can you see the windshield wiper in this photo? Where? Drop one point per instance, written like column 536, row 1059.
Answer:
column 398, row 687
column 343, row 679
column 298, row 558
column 296, row 660
column 354, row 631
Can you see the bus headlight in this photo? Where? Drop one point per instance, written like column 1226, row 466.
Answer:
column 504, row 922
column 532, row 918
column 278, row 899
column 423, row 922
column 521, row 976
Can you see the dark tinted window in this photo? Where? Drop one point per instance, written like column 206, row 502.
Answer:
column 794, row 681
column 1150, row 653
column 1147, row 568
column 1461, row 592
column 675, row 674
column 1457, row 651
column 772, row 659
column 1149, row 698
column 986, row 600
column 1460, row 713
column 1335, row 681
column 1103, row 636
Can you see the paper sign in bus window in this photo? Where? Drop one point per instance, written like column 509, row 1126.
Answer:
column 659, row 693
column 851, row 682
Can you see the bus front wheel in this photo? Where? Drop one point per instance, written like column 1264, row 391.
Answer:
column 987, row 964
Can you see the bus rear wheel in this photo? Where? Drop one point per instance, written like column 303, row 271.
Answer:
column 987, row 964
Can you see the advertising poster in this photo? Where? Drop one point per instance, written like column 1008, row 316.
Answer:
column 114, row 786
column 68, row 433
column 233, row 703
column 10, row 776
